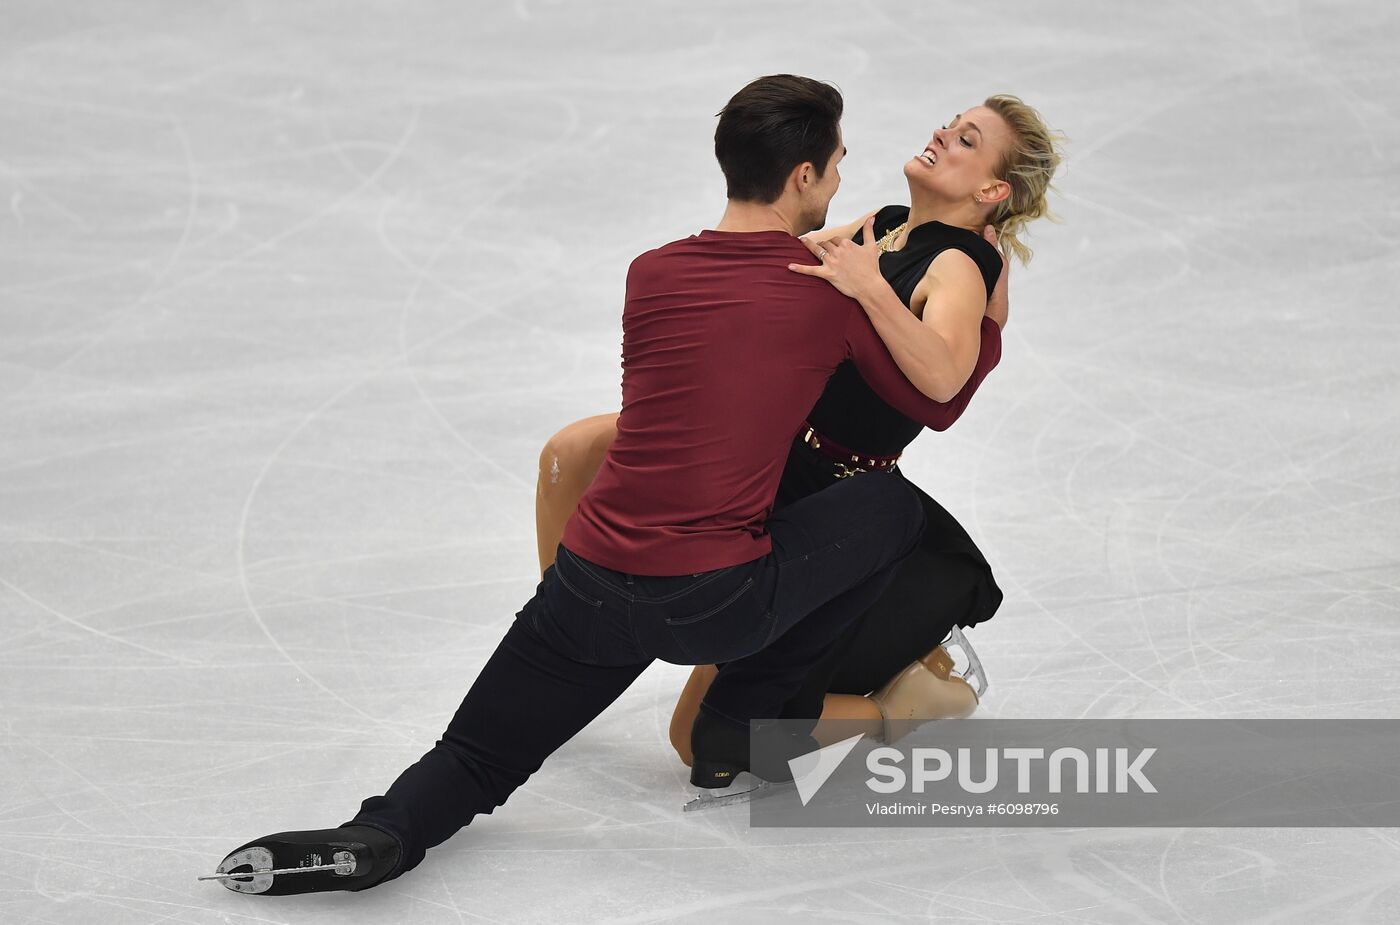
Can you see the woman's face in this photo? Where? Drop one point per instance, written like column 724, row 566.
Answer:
column 962, row 157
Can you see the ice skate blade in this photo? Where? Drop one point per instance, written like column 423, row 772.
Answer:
column 975, row 675
column 250, row 870
column 246, row 871
column 745, row 788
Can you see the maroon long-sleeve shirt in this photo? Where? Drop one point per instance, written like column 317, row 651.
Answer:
column 724, row 351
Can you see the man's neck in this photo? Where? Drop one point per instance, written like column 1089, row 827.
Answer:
column 757, row 216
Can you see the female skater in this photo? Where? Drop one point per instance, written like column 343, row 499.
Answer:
column 990, row 167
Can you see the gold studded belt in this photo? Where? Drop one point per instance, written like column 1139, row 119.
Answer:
column 848, row 462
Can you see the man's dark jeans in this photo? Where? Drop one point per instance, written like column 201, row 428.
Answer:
column 589, row 632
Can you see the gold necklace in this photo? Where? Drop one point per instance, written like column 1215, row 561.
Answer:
column 885, row 243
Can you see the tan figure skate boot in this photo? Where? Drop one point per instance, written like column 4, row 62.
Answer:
column 927, row 689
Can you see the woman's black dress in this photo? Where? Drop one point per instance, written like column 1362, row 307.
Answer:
column 946, row 580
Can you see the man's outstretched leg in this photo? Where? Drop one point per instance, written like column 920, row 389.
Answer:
column 536, row 692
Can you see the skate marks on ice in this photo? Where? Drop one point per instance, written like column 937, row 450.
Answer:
column 292, row 309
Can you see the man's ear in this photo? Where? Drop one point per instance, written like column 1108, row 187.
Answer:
column 803, row 175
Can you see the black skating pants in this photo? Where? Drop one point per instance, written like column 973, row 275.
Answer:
column 589, row 632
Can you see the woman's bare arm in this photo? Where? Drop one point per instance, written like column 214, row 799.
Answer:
column 936, row 353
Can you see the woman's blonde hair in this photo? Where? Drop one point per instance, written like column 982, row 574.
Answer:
column 1028, row 167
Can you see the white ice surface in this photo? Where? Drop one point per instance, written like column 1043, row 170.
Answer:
column 292, row 294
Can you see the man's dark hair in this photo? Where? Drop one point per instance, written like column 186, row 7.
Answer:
column 771, row 126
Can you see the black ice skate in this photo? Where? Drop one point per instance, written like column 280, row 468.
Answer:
column 721, row 766
column 350, row 858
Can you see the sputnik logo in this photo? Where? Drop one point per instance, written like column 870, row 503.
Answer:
column 813, row 769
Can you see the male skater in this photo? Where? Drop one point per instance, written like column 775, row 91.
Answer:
column 674, row 552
